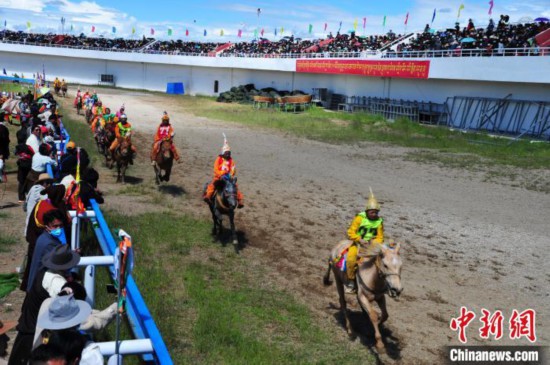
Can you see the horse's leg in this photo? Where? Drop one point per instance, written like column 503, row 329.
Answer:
column 157, row 173
column 373, row 315
column 326, row 278
column 124, row 166
column 383, row 310
column 343, row 305
column 168, row 171
column 232, row 224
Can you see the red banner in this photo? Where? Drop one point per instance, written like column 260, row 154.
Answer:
column 378, row 68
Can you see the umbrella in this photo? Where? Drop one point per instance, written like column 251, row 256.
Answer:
column 467, row 40
column 542, row 19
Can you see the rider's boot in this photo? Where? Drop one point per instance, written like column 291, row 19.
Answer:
column 350, row 287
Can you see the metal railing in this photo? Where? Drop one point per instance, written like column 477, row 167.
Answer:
column 506, row 52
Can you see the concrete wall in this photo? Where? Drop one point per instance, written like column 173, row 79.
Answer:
column 524, row 77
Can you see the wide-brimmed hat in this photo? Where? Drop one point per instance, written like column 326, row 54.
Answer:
column 5, row 326
column 61, row 258
column 44, row 177
column 62, row 312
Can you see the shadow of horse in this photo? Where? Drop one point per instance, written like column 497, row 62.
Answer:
column 133, row 180
column 173, row 190
column 364, row 331
column 226, row 238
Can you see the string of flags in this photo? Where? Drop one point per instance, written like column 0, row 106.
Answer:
column 258, row 31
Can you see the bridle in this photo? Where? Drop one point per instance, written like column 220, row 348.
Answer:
column 383, row 274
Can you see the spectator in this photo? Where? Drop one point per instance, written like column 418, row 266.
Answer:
column 39, row 162
column 24, row 155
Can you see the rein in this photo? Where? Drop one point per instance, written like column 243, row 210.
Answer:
column 381, row 274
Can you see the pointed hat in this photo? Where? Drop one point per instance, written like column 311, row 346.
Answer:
column 372, row 203
column 225, row 147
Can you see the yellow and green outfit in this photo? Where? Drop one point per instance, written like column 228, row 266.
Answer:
column 366, row 229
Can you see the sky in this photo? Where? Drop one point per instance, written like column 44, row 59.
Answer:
column 136, row 18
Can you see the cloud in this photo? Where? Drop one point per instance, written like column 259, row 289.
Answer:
column 444, row 10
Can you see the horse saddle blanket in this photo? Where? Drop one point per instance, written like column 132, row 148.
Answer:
column 341, row 260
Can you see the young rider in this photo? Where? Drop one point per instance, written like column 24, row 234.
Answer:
column 164, row 131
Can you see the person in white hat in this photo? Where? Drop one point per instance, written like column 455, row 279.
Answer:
column 224, row 165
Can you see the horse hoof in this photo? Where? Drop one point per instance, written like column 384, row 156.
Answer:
column 380, row 347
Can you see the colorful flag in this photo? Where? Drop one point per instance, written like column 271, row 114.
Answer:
column 114, row 30
column 256, row 33
column 240, row 33
column 340, row 26
column 262, row 32
column 364, row 22
column 5, row 73
column 152, row 31
column 491, row 3
column 5, row 23
column 259, row 11
column 72, row 27
column 187, row 32
column 93, row 28
column 459, row 10
column 407, row 18
column 133, row 30
column 433, row 16
column 169, row 31
column 384, row 22
column 205, row 32
column 29, row 25
column 221, row 32
column 355, row 25
column 326, row 27
column 275, row 32
column 310, row 28
column 282, row 30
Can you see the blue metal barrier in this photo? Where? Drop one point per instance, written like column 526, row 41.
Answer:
column 140, row 318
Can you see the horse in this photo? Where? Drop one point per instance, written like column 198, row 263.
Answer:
column 164, row 161
column 378, row 273
column 57, row 88
column 64, row 90
column 224, row 202
column 122, row 156
column 108, row 139
column 100, row 136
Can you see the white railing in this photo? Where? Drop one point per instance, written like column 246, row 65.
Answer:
column 533, row 51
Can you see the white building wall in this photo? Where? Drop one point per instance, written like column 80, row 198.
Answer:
column 523, row 77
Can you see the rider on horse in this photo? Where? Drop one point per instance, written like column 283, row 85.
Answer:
column 56, row 83
column 164, row 132
column 223, row 166
column 123, row 129
column 366, row 226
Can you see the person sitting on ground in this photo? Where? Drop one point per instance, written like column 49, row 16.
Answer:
column 164, row 132
column 367, row 228
column 224, row 166
column 123, row 129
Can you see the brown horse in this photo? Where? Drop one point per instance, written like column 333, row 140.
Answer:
column 163, row 161
column 378, row 273
column 122, row 155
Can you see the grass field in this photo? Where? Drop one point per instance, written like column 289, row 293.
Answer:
column 469, row 149
column 211, row 305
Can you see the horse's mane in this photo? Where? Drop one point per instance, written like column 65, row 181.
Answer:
column 369, row 254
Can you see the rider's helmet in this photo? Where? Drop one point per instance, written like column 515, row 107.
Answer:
column 372, row 203
column 165, row 117
column 123, row 119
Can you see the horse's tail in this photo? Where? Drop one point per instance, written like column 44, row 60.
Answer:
column 326, row 278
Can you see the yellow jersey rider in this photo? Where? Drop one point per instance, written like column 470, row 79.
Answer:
column 123, row 129
column 367, row 228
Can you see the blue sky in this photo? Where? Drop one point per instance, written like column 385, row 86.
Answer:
column 293, row 16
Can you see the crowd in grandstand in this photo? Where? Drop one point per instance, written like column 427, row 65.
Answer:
column 493, row 38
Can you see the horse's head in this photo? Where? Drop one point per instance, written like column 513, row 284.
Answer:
column 390, row 268
column 125, row 146
column 166, row 148
column 229, row 192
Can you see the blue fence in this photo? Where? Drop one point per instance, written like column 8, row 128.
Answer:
column 17, row 79
column 141, row 321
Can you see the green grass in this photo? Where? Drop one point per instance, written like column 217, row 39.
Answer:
column 441, row 143
column 6, row 241
column 11, row 87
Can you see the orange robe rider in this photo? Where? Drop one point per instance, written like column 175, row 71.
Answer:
column 164, row 132
column 224, row 164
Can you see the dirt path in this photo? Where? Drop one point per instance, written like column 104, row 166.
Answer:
column 466, row 241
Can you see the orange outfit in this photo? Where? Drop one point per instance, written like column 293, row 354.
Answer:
column 164, row 131
column 222, row 166
column 120, row 132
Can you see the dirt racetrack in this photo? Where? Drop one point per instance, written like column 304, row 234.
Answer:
column 467, row 241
